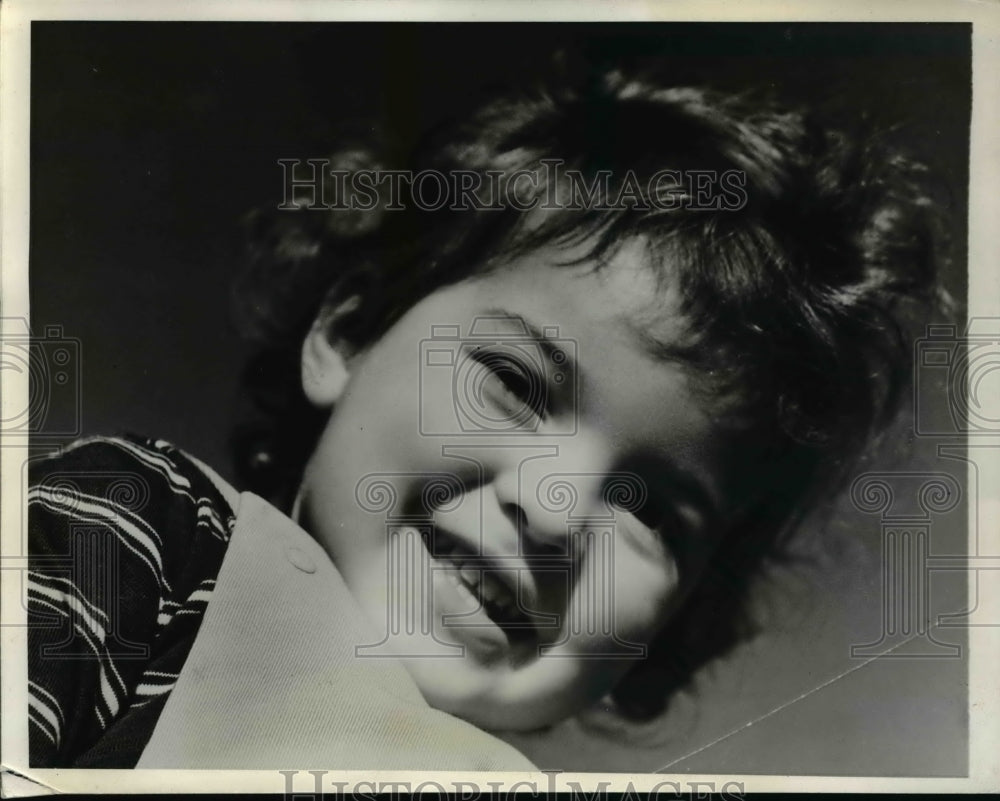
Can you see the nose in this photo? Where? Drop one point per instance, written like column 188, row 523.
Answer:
column 542, row 497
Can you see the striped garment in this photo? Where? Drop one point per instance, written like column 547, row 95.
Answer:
column 126, row 538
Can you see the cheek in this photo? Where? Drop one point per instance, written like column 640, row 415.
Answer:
column 379, row 411
column 645, row 590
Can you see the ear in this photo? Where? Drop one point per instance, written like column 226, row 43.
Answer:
column 324, row 366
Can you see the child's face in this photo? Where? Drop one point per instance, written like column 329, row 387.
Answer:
column 421, row 403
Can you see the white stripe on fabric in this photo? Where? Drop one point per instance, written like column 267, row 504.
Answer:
column 43, row 709
column 43, row 728
column 154, row 689
column 199, row 596
column 108, row 694
column 215, row 522
column 45, row 695
column 72, row 602
column 90, row 509
column 102, row 654
column 159, row 462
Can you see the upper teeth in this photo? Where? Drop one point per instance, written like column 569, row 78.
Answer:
column 495, row 591
column 483, row 584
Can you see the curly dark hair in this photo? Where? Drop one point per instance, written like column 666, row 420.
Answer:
column 797, row 303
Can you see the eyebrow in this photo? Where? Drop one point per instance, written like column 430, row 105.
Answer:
column 545, row 341
column 660, row 351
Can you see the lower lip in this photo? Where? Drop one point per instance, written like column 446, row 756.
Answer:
column 459, row 616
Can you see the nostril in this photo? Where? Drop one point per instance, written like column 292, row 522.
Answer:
column 534, row 542
column 549, row 546
column 516, row 515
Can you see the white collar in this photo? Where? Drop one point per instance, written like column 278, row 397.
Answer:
column 272, row 679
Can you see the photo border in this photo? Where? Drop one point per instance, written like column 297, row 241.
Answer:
column 983, row 301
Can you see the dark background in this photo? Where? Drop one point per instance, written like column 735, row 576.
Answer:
column 151, row 141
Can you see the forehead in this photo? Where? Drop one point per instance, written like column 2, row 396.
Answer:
column 627, row 291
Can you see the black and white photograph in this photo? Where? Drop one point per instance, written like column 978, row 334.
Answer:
column 553, row 400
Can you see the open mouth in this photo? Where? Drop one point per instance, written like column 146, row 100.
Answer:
column 496, row 590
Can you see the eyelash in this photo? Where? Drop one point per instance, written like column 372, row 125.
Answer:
column 505, row 369
column 653, row 520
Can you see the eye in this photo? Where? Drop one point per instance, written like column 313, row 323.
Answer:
column 650, row 514
column 683, row 532
column 662, row 526
column 516, row 386
column 628, row 493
